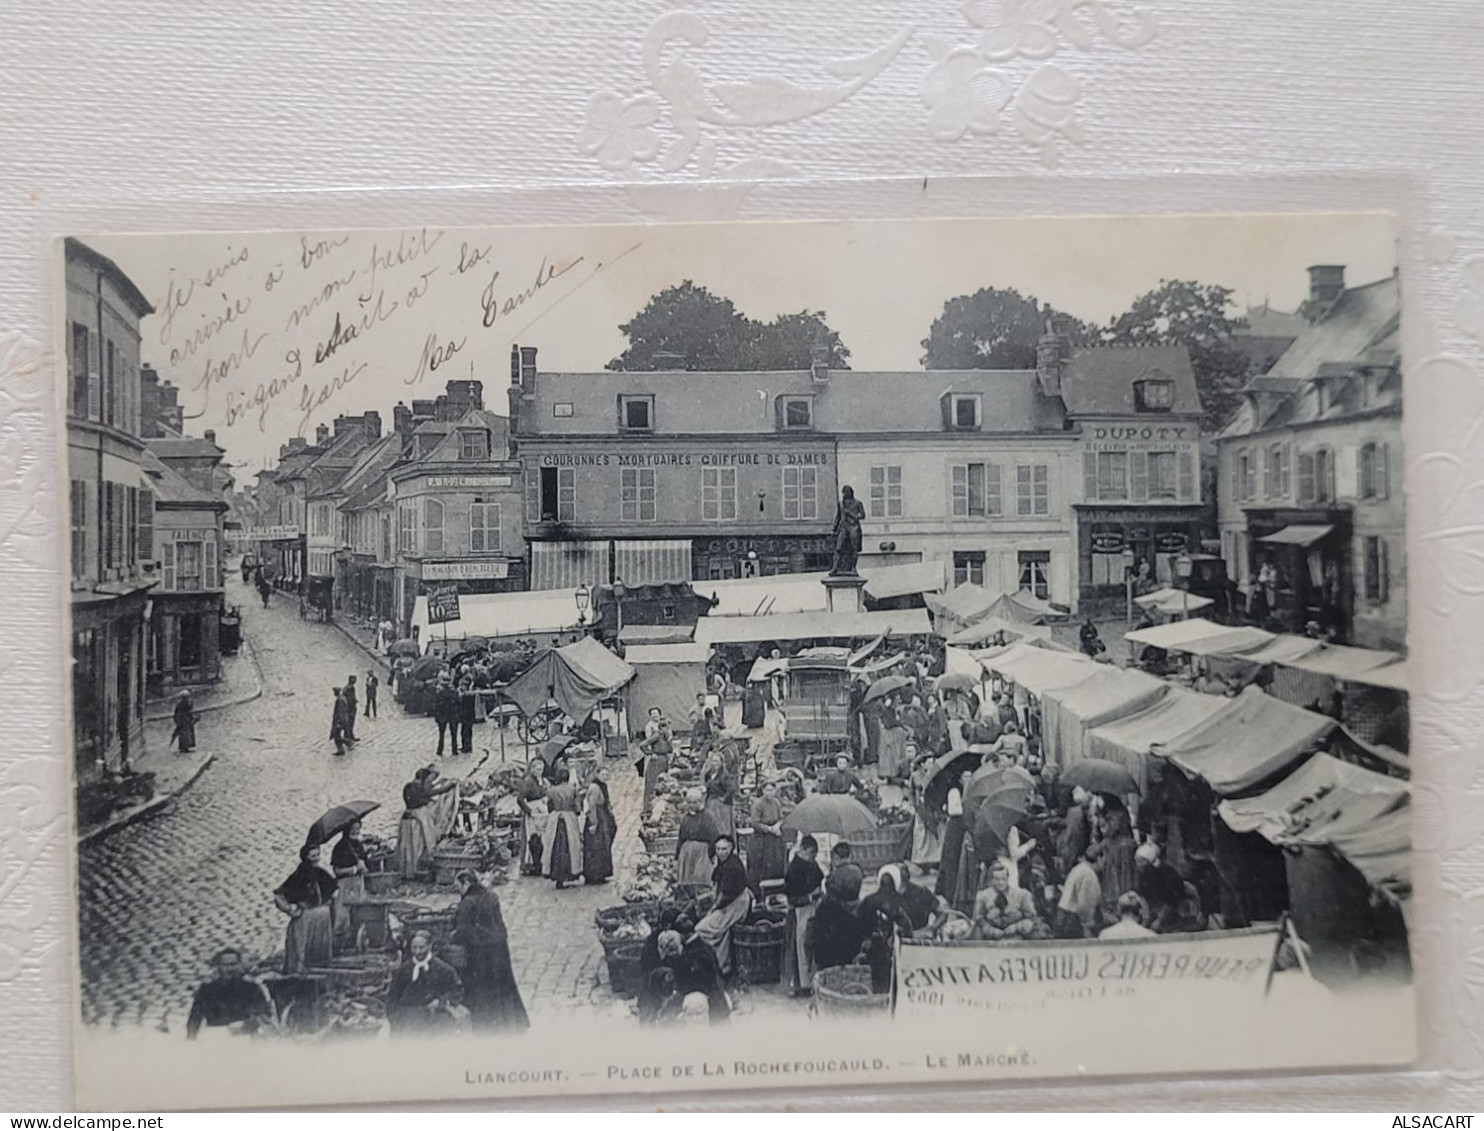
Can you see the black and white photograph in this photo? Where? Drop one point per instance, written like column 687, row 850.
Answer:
column 519, row 662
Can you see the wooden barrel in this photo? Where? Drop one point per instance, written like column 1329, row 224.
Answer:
column 624, row 976
column 758, row 950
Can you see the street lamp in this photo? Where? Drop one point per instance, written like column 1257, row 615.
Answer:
column 1184, row 567
column 1128, row 560
column 620, row 591
column 583, row 597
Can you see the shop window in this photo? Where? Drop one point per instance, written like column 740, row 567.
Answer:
column 719, row 494
column 968, row 567
column 1031, row 490
column 886, row 492
column 1154, row 396
column 484, row 528
column 797, row 413
column 1162, row 481
column 1373, row 567
column 1372, row 471
column 637, row 494
column 801, row 493
column 976, row 490
column 432, row 526
column 190, row 641
column 636, row 414
column 1035, row 572
column 189, row 563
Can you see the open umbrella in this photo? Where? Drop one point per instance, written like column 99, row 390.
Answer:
column 338, row 819
column 408, row 647
column 945, row 774
column 426, row 668
column 956, row 681
column 996, row 798
column 834, row 813
column 887, row 685
column 1098, row 775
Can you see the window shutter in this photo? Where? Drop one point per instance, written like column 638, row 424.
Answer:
column 1305, row 477
column 1383, row 472
column 1089, row 477
column 95, row 393
column 533, row 494
column 1236, row 476
column 212, row 581
column 992, row 502
column 1185, row 464
column 167, row 564
column 1382, row 578
column 945, row 402
column 1139, row 468
column 958, row 490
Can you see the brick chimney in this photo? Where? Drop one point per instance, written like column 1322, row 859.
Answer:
column 528, row 368
column 1326, row 284
column 321, row 434
column 515, row 365
column 819, row 365
column 402, row 422
column 210, row 436
column 149, row 402
column 372, row 422
column 464, row 395
column 1051, row 352
column 297, row 444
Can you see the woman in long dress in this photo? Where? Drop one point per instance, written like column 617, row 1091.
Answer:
column 953, row 844
column 655, row 751
column 421, row 824
column 598, row 830
column 531, row 799
column 803, row 884
column 307, row 898
column 732, row 903
column 1119, row 866
column 766, row 854
column 697, row 844
column 562, row 843
column 893, row 741
column 720, row 788
column 348, row 864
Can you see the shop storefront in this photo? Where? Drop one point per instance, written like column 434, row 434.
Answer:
column 108, row 671
column 715, row 559
column 468, row 576
column 1107, row 536
column 185, row 641
column 1312, row 580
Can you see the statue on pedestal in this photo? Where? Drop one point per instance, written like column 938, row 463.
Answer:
column 848, row 520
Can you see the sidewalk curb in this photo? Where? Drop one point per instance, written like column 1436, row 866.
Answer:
column 256, row 693
column 380, row 661
column 149, row 809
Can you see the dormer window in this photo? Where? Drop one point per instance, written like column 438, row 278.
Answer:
column 636, row 414
column 962, row 412
column 474, row 444
column 796, row 414
column 1154, row 395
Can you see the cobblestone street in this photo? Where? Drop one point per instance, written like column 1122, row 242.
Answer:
column 160, row 897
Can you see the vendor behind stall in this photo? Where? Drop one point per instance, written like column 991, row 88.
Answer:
column 427, row 818
column 307, row 898
column 695, row 843
column 732, row 902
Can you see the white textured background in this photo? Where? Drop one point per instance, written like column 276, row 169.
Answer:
column 153, row 114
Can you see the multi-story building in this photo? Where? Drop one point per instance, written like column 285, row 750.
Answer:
column 1009, row 479
column 111, row 502
column 287, row 562
column 327, row 538
column 189, row 537
column 1310, row 468
column 455, row 503
column 365, row 583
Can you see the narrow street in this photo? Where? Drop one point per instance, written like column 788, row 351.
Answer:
column 160, row 897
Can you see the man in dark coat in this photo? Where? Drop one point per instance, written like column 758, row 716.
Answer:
column 423, row 988
column 490, row 992
column 446, row 712
column 350, row 697
column 371, row 685
column 230, row 998
column 466, row 710
column 338, row 723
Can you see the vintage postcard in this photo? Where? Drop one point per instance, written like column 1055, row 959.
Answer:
column 547, row 661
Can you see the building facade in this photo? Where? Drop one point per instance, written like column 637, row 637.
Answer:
column 111, row 506
column 1310, row 479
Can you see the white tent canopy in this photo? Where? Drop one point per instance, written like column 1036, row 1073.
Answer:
column 1171, row 636
column 538, row 613
column 811, row 626
column 1173, row 602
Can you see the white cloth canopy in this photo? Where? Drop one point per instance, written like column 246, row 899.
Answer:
column 503, row 614
column 1173, row 602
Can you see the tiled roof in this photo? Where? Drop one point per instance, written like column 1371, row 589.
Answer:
column 1099, row 381
column 169, row 486
column 187, row 447
column 1360, row 318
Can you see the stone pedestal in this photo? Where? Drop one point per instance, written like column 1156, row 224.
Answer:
column 845, row 593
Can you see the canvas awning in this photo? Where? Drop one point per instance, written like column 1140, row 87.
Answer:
column 652, row 562
column 1247, row 743
column 539, row 613
column 1171, row 636
column 1279, row 650
column 654, row 634
column 1380, row 850
column 1127, row 741
column 687, row 653
column 1297, row 535
column 1391, row 676
column 577, row 676
column 1323, row 797
column 962, row 604
column 765, row 667
column 810, row 626
column 1340, row 662
column 886, row 582
column 1068, row 713
column 1039, row 670
column 1173, row 602
column 1234, row 642
column 984, row 630
column 765, row 596
column 568, row 565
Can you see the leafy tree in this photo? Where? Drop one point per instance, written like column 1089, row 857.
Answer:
column 688, row 327
column 1197, row 316
column 993, row 329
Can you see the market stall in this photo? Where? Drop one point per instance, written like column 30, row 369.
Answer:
column 800, row 626
column 1127, row 741
column 577, row 677
column 1173, row 603
column 667, row 676
column 994, row 630
column 1068, row 713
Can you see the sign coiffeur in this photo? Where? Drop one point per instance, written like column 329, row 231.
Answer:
column 1192, row 972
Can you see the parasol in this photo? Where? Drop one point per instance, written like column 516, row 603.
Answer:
column 944, row 776
column 956, row 681
column 1098, row 775
column 834, row 813
column 886, row 685
column 426, row 668
column 408, row 647
column 338, row 819
column 995, row 800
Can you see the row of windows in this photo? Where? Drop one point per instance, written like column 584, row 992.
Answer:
column 1315, row 473
column 187, row 566
column 109, row 393
column 1139, row 476
column 484, row 528
column 1375, row 570
column 1034, row 570
column 128, row 527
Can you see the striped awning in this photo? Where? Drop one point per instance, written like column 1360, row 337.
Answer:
column 656, row 562
column 567, row 565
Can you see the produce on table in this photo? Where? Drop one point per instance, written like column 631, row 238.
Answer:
column 653, row 882
column 889, row 815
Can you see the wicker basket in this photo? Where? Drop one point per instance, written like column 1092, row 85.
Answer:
column 624, row 974
column 845, row 991
column 607, row 918
column 438, row 924
column 661, row 845
column 448, row 863
column 880, row 847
